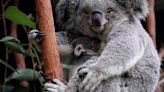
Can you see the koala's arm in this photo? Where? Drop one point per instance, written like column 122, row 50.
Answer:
column 122, row 51
column 64, row 39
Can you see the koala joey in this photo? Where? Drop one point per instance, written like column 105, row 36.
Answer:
column 128, row 61
column 82, row 51
column 78, row 48
column 81, row 46
column 77, row 52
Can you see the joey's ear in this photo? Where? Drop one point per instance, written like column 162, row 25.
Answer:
column 78, row 50
column 138, row 8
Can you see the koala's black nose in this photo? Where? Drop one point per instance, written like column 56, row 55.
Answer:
column 96, row 18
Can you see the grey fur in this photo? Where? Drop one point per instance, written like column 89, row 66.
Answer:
column 77, row 48
column 128, row 61
column 67, row 8
column 139, row 8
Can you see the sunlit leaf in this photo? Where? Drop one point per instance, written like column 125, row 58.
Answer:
column 7, row 65
column 14, row 14
column 25, row 74
column 9, row 38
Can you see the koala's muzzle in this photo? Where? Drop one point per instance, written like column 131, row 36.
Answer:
column 97, row 18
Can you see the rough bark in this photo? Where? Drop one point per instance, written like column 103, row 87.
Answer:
column 50, row 55
column 151, row 26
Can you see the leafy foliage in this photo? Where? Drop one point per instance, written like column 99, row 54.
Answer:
column 14, row 14
column 25, row 74
column 9, row 38
column 14, row 45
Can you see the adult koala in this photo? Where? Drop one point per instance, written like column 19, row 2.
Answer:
column 127, row 63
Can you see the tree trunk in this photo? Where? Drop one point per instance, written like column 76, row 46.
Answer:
column 50, row 55
column 151, row 28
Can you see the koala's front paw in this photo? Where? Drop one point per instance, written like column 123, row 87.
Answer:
column 35, row 36
column 91, row 78
column 55, row 86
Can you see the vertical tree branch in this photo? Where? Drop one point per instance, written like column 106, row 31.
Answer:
column 50, row 55
column 3, row 5
column 20, row 60
column 19, row 57
column 151, row 26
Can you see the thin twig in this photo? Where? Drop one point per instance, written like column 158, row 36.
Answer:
column 5, row 33
column 4, row 20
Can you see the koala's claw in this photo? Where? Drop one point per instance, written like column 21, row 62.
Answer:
column 43, row 79
column 55, row 86
column 35, row 35
column 82, row 75
column 90, row 81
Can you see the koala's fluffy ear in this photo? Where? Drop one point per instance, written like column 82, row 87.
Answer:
column 61, row 11
column 139, row 8
column 64, row 10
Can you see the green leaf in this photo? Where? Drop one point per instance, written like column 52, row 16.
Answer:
column 9, row 38
column 30, row 54
column 6, row 88
column 7, row 65
column 14, row 14
column 15, row 47
column 25, row 74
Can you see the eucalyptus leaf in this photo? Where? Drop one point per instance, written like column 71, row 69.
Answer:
column 7, row 65
column 9, row 38
column 7, row 88
column 15, row 47
column 25, row 74
column 14, row 14
column 30, row 54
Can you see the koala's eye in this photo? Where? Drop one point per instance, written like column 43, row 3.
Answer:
column 86, row 12
column 109, row 10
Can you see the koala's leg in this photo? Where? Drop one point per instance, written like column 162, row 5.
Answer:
column 64, row 38
column 75, row 80
column 73, row 84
